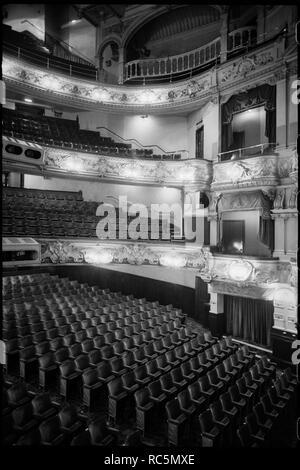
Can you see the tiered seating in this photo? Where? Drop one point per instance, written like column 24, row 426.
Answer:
column 65, row 133
column 132, row 358
column 51, row 214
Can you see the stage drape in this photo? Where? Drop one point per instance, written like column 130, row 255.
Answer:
column 264, row 94
column 249, row 319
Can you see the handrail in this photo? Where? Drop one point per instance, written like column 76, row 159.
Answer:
column 240, row 150
column 61, row 41
column 141, row 145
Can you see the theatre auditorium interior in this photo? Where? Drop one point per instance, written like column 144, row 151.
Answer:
column 125, row 328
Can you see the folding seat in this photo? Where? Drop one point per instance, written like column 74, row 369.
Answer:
column 98, row 341
column 178, row 380
column 69, row 421
column 209, row 392
column 61, row 355
column 69, row 379
column 230, row 370
column 23, row 418
column 186, row 404
column 60, row 321
column 291, row 378
column 222, row 422
column 167, row 342
column 257, row 378
column 250, row 384
column 183, row 337
column 279, row 404
column 216, row 349
column 64, row 330
column 152, row 369
column 23, row 331
column 76, row 326
column 71, row 318
column 94, row 357
column 119, row 335
column 80, row 336
column 176, row 341
column 144, row 410
column 209, row 338
column 99, row 435
column 155, row 333
column 238, row 400
column 82, row 363
column 267, row 376
column 281, row 393
column 69, row 339
column 158, row 397
column 17, row 395
column 87, row 345
column 150, row 353
column 188, row 349
column 129, row 344
column 247, row 353
column 247, row 439
column 257, row 432
column 269, row 366
column 189, row 332
column 159, row 347
column 95, row 321
column 102, row 329
column 204, row 362
column 196, row 396
column 245, row 392
column 211, row 435
column 139, row 356
column 118, row 348
column 86, row 323
column 215, row 382
column 75, row 350
column 56, row 343
column 53, row 333
column 211, row 357
column 138, row 340
column 145, row 325
column 222, row 375
column 147, row 338
column 177, row 423
column 268, row 407
column 141, row 375
column 263, row 420
column 180, row 354
column 117, row 397
column 42, row 348
column 196, row 345
column 163, row 364
column 47, row 368
column 49, row 324
column 111, row 326
column 43, row 407
column 117, row 366
column 91, row 387
column 129, row 383
column 239, row 367
column 51, row 433
column 28, row 362
column 286, row 386
column 104, row 372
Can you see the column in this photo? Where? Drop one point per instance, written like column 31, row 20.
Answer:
column 279, row 235
column 224, row 36
column 260, row 24
column 216, row 319
column 193, row 216
column 281, row 113
column 121, row 66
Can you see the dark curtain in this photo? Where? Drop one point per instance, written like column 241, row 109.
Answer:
column 266, row 232
column 264, row 94
column 249, row 319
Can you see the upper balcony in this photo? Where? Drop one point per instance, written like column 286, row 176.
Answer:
column 188, row 64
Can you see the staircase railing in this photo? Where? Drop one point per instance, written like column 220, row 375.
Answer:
column 141, row 146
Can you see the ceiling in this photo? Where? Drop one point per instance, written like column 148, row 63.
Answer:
column 95, row 13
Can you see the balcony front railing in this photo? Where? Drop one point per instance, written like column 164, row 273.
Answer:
column 189, row 63
column 246, row 152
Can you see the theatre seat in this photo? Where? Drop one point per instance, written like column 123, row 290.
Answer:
column 91, row 387
column 167, row 385
column 117, row 397
column 17, row 395
column 43, row 407
column 69, row 379
column 100, row 435
column 247, row 439
column 51, row 434
column 210, row 433
column 69, row 422
column 24, row 419
column 144, row 410
column 177, row 423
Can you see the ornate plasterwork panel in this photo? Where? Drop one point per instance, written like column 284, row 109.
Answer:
column 95, row 94
column 62, row 251
column 230, row 77
column 254, row 171
column 178, row 173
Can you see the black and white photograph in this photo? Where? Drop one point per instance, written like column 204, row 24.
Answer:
column 149, row 229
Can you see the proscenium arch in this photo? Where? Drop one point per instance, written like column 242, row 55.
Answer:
column 108, row 40
column 141, row 21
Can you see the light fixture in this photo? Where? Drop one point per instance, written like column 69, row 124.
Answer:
column 28, row 100
column 240, row 270
column 172, row 260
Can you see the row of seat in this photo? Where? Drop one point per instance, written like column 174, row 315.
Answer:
column 65, row 133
